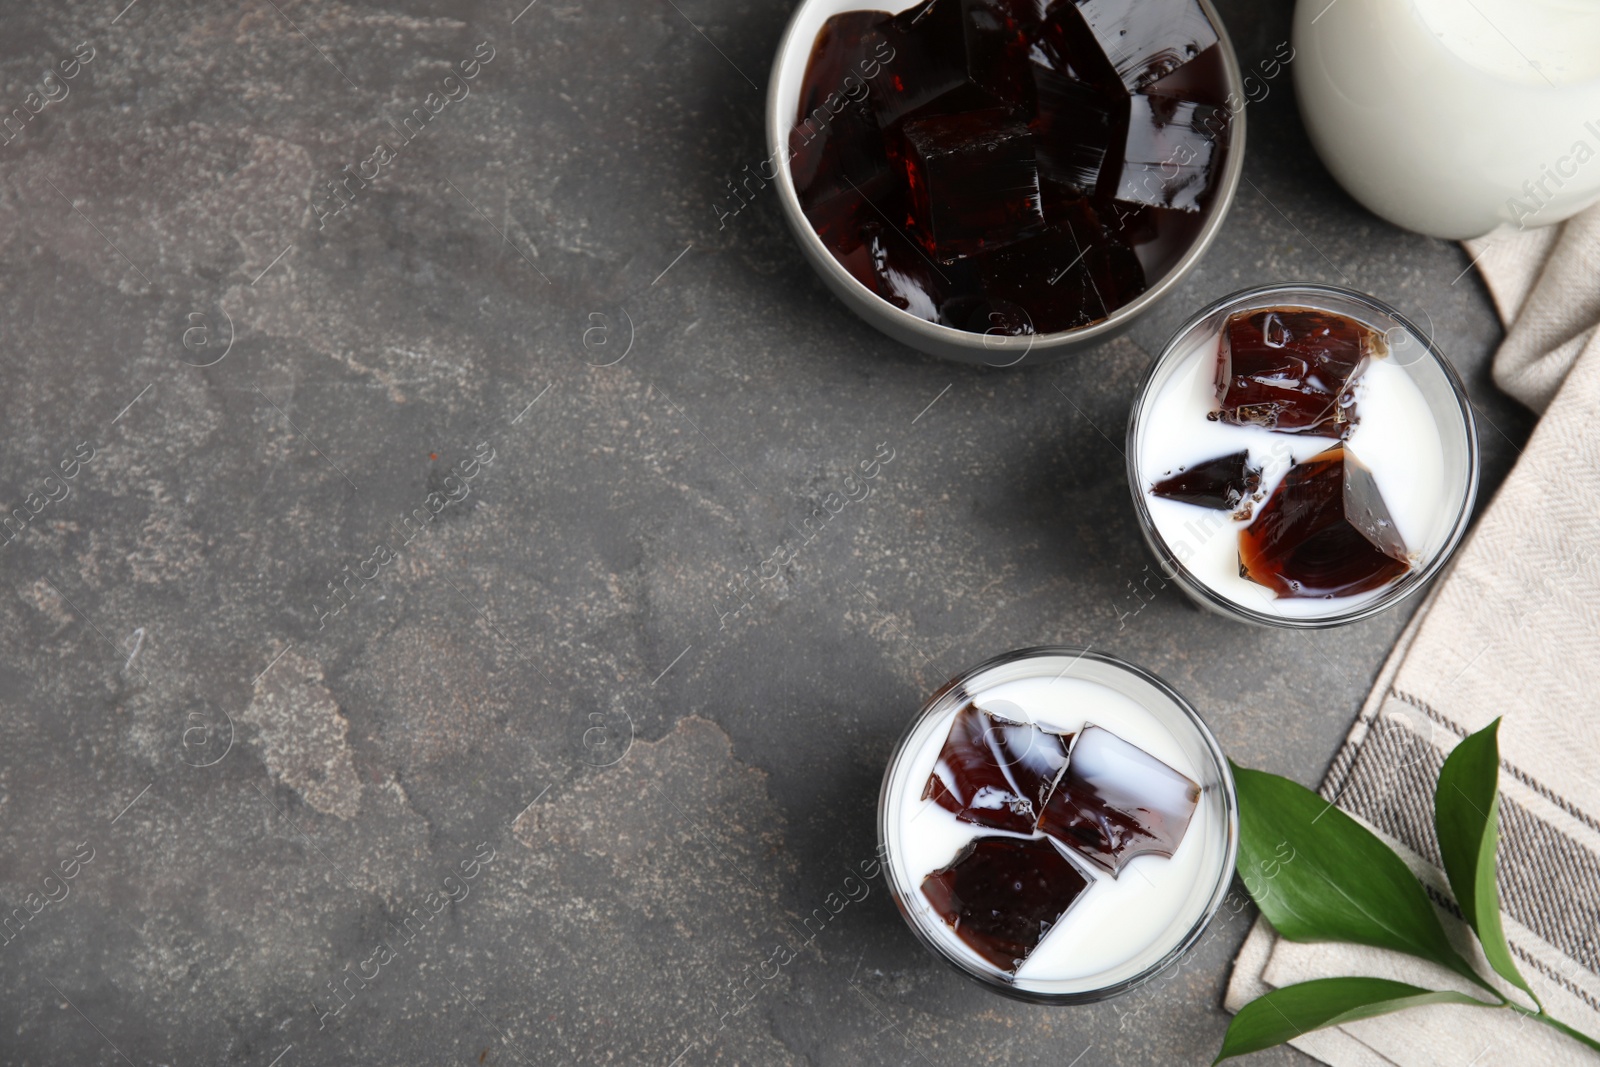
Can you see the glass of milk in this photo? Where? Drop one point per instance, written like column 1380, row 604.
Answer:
column 1122, row 930
column 1451, row 117
column 1414, row 429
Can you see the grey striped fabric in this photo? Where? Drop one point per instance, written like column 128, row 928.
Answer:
column 1549, row 882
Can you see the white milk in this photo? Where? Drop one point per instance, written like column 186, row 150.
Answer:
column 1534, row 42
column 1116, row 926
column 1395, row 436
column 1452, row 116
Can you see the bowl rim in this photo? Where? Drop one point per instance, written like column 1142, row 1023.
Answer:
column 937, row 336
column 1199, row 590
column 1228, row 799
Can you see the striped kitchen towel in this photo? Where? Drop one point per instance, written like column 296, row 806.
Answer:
column 1513, row 631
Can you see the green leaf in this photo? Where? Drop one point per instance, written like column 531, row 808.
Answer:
column 1466, row 814
column 1318, row 875
column 1286, row 1013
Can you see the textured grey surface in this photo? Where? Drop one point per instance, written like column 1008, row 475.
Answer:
column 269, row 793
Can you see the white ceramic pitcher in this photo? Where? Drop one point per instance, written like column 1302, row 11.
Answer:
column 1451, row 117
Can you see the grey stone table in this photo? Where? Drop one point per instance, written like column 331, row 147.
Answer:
column 534, row 787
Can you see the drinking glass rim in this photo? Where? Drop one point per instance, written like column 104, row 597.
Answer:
column 1404, row 587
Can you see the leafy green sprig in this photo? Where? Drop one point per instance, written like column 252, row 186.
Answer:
column 1344, row 884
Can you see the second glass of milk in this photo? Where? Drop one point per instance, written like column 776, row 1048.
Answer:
column 1124, row 929
column 1415, row 429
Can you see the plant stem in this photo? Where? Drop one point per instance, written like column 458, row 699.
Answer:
column 1557, row 1024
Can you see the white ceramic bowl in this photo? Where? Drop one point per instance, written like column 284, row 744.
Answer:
column 994, row 349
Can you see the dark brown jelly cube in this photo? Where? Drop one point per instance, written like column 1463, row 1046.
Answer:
column 993, row 771
column 973, row 182
column 1075, row 127
column 976, row 311
column 1324, row 532
column 1204, row 79
column 899, row 271
column 1001, row 895
column 1115, row 801
column 1159, row 237
column 1061, row 285
column 847, row 152
column 1071, row 275
column 841, row 60
column 856, row 222
column 847, row 223
column 908, row 279
column 1291, row 369
column 1147, row 39
column 1032, row 756
column 1167, row 157
column 1222, row 483
column 925, row 58
column 835, row 141
column 999, row 36
column 1038, row 286
column 1067, row 43
column 1115, row 273
column 846, row 213
column 1081, row 109
column 1070, row 208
